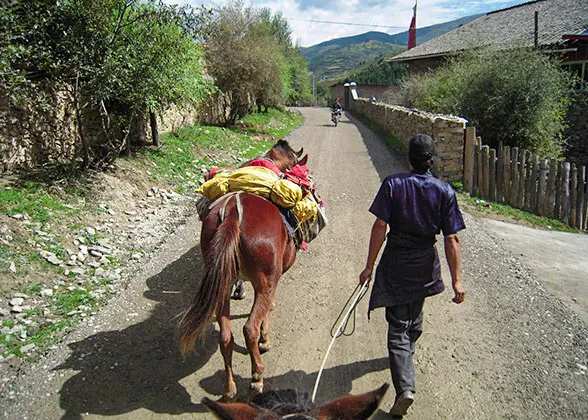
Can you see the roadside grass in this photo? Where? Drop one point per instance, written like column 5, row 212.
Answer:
column 59, row 199
column 274, row 123
column 491, row 209
column 33, row 200
column 191, row 151
column 392, row 140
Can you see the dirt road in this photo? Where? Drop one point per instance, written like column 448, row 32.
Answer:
column 512, row 350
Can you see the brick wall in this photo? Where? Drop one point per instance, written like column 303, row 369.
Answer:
column 403, row 123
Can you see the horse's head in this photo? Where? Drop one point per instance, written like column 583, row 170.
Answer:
column 289, row 404
column 284, row 156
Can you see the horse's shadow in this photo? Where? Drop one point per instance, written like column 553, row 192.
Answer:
column 335, row 381
column 140, row 366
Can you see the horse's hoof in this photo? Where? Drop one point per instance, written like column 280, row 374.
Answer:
column 229, row 397
column 264, row 347
column 257, row 387
column 239, row 292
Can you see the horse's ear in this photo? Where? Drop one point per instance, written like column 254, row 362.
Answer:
column 303, row 161
column 299, row 153
column 232, row 411
column 354, row 407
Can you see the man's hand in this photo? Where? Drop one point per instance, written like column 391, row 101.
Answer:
column 366, row 275
column 459, row 291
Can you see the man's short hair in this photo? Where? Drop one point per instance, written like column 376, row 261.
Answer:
column 421, row 152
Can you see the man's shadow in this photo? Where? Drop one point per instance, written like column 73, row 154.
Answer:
column 140, row 366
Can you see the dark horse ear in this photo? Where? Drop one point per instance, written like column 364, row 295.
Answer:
column 353, row 407
column 303, row 161
column 299, row 153
column 232, row 411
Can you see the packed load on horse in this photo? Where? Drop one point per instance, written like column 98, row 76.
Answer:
column 289, row 188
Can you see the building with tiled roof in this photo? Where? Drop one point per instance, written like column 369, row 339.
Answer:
column 552, row 25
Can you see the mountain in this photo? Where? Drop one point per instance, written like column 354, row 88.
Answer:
column 335, row 57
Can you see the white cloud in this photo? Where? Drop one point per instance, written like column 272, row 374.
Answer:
column 395, row 14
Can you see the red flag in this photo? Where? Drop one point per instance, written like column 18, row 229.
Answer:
column 412, row 29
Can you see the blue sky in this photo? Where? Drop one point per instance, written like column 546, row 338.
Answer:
column 393, row 15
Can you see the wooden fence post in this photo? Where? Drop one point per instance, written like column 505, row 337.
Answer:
column 514, row 189
column 506, row 175
column 499, row 173
column 540, row 207
column 549, row 209
column 583, row 189
column 486, row 171
column 492, row 196
column 479, row 168
column 581, row 198
column 557, row 213
column 469, row 158
column 565, row 199
column 522, row 179
column 573, row 195
column 534, row 184
column 528, row 200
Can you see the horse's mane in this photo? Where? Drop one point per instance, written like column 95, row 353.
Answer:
column 283, row 401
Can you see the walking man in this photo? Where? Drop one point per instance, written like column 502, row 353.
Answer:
column 413, row 208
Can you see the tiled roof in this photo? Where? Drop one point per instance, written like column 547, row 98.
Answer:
column 509, row 28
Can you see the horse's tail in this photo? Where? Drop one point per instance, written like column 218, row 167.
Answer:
column 221, row 260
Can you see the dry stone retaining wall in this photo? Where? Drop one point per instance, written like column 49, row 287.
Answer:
column 31, row 136
column 403, row 123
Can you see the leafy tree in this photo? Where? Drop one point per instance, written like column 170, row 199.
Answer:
column 253, row 61
column 519, row 97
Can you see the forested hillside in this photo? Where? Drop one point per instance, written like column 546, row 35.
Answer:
column 337, row 56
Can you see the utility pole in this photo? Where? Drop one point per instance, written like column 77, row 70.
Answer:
column 313, row 91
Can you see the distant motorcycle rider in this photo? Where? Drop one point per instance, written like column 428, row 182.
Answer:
column 337, row 106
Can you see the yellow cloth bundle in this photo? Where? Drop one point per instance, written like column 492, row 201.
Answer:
column 256, row 180
column 216, row 187
column 305, row 210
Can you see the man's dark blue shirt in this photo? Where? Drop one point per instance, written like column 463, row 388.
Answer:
column 417, row 208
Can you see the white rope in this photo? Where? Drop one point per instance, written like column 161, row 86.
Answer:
column 337, row 334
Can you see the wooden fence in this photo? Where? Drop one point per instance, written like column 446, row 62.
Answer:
column 519, row 178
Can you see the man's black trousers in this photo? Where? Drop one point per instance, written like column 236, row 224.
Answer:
column 405, row 326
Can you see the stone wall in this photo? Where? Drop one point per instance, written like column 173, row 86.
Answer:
column 403, row 123
column 383, row 93
column 30, row 136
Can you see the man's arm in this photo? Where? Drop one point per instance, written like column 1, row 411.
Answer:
column 453, row 255
column 377, row 238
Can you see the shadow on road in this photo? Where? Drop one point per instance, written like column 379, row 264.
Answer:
column 140, row 366
column 384, row 163
column 335, row 381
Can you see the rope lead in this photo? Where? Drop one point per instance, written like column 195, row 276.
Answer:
column 360, row 290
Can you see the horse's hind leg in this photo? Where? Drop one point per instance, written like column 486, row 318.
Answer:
column 264, row 340
column 226, row 341
column 252, row 331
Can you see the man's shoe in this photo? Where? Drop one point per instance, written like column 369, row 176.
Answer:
column 403, row 401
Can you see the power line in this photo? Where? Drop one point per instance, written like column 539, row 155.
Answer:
column 347, row 23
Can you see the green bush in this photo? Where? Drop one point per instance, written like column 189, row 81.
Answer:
column 519, row 97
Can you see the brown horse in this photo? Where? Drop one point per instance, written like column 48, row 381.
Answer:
column 289, row 404
column 243, row 236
